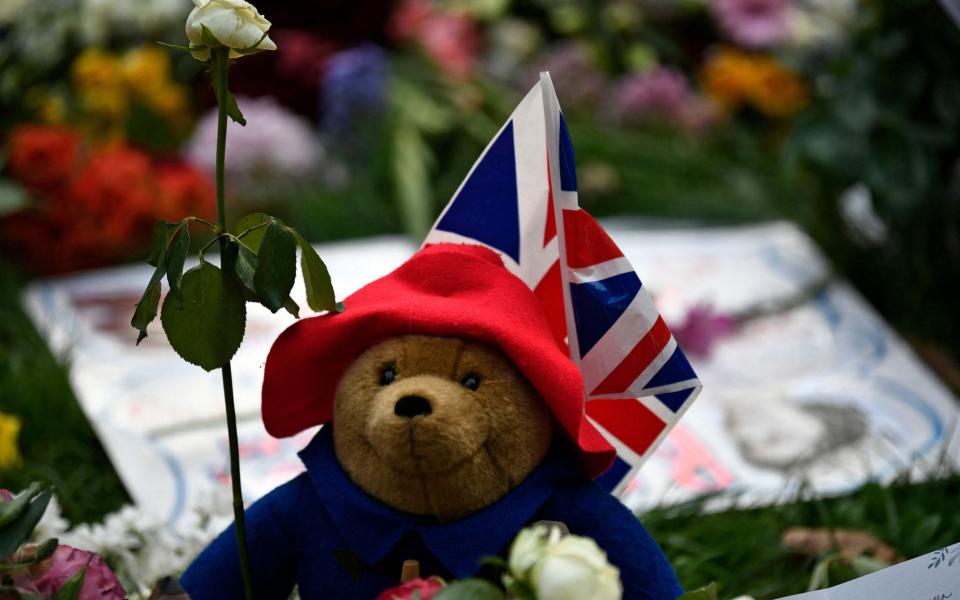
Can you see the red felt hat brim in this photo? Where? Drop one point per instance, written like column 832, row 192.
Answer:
column 443, row 290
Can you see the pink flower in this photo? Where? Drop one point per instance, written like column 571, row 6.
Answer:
column 450, row 39
column 701, row 330
column 453, row 42
column 752, row 23
column 658, row 94
column 99, row 582
column 6, row 495
column 426, row 588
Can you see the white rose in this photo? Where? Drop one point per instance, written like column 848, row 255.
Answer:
column 235, row 24
column 528, row 548
column 575, row 568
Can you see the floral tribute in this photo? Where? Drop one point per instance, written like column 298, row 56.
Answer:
column 48, row 569
column 97, row 202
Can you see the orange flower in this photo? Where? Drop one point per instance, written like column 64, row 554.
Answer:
column 778, row 92
column 734, row 78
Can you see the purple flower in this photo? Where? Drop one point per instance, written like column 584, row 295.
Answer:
column 658, row 94
column 277, row 143
column 354, row 89
column 99, row 582
column 577, row 81
column 752, row 23
column 701, row 330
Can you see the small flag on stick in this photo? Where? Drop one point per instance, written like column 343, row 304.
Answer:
column 520, row 199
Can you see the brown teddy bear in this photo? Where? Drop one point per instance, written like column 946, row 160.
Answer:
column 454, row 419
column 470, row 427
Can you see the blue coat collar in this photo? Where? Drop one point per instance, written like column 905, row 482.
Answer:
column 372, row 529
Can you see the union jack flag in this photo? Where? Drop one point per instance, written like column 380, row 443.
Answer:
column 520, row 199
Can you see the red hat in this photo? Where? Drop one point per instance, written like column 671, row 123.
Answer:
column 443, row 290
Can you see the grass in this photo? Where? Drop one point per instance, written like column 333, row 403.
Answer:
column 56, row 441
column 740, row 550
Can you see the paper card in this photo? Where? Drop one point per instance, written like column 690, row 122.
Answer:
column 934, row 576
column 839, row 400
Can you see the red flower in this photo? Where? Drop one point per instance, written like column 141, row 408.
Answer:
column 112, row 202
column 184, row 191
column 426, row 587
column 43, row 156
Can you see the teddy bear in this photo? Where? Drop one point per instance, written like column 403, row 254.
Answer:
column 451, row 419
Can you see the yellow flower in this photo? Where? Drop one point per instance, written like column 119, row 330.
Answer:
column 146, row 66
column 734, row 78
column 9, row 452
column 96, row 68
column 169, row 100
column 101, row 88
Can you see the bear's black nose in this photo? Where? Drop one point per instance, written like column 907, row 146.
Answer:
column 412, row 406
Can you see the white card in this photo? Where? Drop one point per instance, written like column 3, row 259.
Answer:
column 934, row 576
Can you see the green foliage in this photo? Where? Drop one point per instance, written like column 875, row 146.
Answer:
column 18, row 519
column 71, row 588
column 707, row 592
column 887, row 115
column 740, row 550
column 233, row 109
column 276, row 266
column 204, row 316
column 205, row 324
column 57, row 443
column 250, row 229
column 176, row 255
column 316, row 278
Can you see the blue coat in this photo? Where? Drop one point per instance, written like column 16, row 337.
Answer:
column 322, row 533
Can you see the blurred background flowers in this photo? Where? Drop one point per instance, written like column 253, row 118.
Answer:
column 839, row 114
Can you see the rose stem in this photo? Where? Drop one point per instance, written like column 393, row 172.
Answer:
column 220, row 58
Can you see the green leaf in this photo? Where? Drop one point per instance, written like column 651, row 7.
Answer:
column 246, row 266
column 412, row 159
column 176, row 256
column 207, row 38
column 253, row 49
column 276, row 266
column 12, row 509
column 233, row 109
column 244, row 226
column 864, row 565
column 707, row 592
column 316, row 278
column 470, row 589
column 18, row 530
column 158, row 243
column 207, row 326
column 292, row 307
column 146, row 310
column 70, row 590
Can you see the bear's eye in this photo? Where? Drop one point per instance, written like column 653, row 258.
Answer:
column 388, row 375
column 470, row 381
